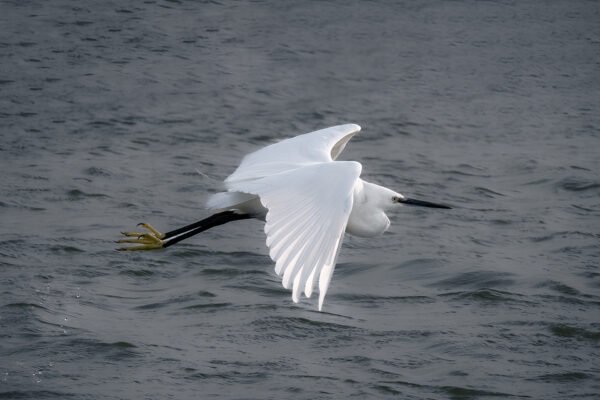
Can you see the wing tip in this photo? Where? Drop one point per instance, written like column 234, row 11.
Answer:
column 356, row 127
column 351, row 128
column 321, row 300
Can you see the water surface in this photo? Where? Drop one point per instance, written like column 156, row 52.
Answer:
column 109, row 109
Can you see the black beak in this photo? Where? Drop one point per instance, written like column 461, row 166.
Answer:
column 413, row 202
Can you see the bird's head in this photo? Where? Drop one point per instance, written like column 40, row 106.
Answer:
column 386, row 199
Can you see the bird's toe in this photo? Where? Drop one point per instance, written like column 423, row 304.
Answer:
column 150, row 240
column 152, row 230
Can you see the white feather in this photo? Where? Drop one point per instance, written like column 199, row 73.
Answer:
column 307, row 245
column 308, row 202
column 319, row 146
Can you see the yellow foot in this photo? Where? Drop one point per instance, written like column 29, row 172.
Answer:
column 153, row 231
column 148, row 241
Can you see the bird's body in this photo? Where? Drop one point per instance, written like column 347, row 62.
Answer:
column 307, row 199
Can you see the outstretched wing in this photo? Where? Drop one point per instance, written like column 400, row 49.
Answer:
column 319, row 146
column 308, row 209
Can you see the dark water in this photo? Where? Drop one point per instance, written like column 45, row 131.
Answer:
column 107, row 109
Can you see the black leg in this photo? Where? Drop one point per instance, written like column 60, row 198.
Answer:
column 180, row 234
column 155, row 240
column 205, row 222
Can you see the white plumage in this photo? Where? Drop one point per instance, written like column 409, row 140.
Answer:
column 307, row 200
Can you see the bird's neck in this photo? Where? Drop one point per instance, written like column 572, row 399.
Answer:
column 368, row 216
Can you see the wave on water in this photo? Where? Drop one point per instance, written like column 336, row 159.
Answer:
column 477, row 279
column 578, row 184
column 109, row 109
column 298, row 328
column 489, row 297
column 36, row 394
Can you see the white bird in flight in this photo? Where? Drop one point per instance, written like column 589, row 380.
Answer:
column 308, row 201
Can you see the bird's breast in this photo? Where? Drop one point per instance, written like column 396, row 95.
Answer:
column 367, row 218
column 367, row 224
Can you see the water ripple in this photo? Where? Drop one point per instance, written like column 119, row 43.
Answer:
column 300, row 328
column 490, row 296
column 576, row 184
column 36, row 394
column 477, row 279
column 569, row 331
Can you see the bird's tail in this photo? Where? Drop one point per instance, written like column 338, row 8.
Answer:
column 228, row 200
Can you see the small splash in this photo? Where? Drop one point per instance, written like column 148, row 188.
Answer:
column 37, row 376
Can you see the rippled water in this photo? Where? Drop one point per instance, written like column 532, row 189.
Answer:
column 108, row 109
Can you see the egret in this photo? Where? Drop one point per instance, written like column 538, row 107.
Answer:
column 307, row 200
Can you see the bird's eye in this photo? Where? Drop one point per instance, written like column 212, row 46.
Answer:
column 395, row 199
